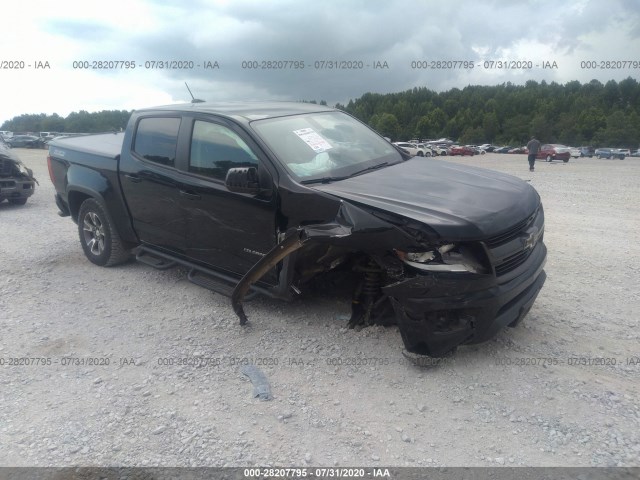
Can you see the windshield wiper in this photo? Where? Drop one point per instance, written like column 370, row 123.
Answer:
column 368, row 169
column 335, row 179
column 323, row 180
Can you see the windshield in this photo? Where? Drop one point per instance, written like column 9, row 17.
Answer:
column 325, row 145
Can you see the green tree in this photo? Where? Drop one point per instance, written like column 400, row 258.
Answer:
column 389, row 126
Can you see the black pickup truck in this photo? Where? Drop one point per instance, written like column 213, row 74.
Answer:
column 272, row 198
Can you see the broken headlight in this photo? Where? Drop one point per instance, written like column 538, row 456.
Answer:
column 445, row 258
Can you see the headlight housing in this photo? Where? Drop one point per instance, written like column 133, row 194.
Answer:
column 449, row 257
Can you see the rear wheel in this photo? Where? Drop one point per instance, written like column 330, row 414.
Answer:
column 98, row 237
column 565, row 161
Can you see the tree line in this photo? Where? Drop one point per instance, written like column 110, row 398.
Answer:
column 575, row 114
column 76, row 122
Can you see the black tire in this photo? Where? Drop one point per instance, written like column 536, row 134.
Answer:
column 17, row 201
column 420, row 154
column 98, row 237
column 565, row 161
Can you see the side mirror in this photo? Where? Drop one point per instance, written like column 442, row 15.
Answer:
column 243, row 180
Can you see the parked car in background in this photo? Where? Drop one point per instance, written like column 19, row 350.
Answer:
column 518, row 150
column 635, row 154
column 552, row 151
column 461, row 150
column 27, row 141
column 625, row 151
column 609, row 153
column 426, row 149
column 575, row 152
column 587, row 151
column 17, row 182
column 411, row 148
column 441, row 150
column 502, row 149
column 477, row 150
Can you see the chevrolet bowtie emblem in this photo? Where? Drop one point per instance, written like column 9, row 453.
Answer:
column 530, row 240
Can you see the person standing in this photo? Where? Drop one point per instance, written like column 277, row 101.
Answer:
column 533, row 146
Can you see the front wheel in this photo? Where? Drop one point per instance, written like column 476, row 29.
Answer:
column 98, row 237
column 565, row 161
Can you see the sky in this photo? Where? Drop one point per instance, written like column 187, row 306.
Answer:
column 68, row 55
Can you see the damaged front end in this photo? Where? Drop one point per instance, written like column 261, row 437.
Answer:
column 440, row 294
column 17, row 182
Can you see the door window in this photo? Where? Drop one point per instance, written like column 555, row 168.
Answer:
column 215, row 149
column 156, row 140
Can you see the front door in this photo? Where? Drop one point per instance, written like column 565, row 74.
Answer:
column 226, row 230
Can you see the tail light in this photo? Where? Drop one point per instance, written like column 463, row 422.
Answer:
column 51, row 176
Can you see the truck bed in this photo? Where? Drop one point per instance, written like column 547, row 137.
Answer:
column 104, row 144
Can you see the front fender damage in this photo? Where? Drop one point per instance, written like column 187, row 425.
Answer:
column 352, row 228
column 435, row 312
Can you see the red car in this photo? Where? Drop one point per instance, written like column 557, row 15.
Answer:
column 553, row 151
column 460, row 150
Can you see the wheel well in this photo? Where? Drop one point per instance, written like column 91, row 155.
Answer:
column 75, row 200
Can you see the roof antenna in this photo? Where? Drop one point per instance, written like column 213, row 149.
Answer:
column 193, row 99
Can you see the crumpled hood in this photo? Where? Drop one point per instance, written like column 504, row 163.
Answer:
column 457, row 201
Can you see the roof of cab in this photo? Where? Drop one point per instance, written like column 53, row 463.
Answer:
column 243, row 111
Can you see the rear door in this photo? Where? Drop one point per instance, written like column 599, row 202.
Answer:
column 151, row 182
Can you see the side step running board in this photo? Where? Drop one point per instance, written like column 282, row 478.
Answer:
column 210, row 279
column 214, row 284
column 148, row 258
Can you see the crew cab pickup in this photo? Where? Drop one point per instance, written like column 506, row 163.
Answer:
column 272, row 198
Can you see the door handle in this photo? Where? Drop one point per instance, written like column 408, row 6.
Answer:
column 190, row 195
column 133, row 178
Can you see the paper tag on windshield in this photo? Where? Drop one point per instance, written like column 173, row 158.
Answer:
column 313, row 139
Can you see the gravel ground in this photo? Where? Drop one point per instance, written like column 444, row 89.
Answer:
column 487, row 405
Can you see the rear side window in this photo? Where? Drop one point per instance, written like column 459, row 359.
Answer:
column 215, row 149
column 156, row 140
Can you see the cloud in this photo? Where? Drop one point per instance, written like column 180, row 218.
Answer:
column 359, row 33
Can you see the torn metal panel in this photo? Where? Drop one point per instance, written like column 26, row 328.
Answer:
column 280, row 251
column 352, row 228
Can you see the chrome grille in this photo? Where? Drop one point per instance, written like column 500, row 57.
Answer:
column 512, row 233
column 511, row 248
column 5, row 167
column 512, row 262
